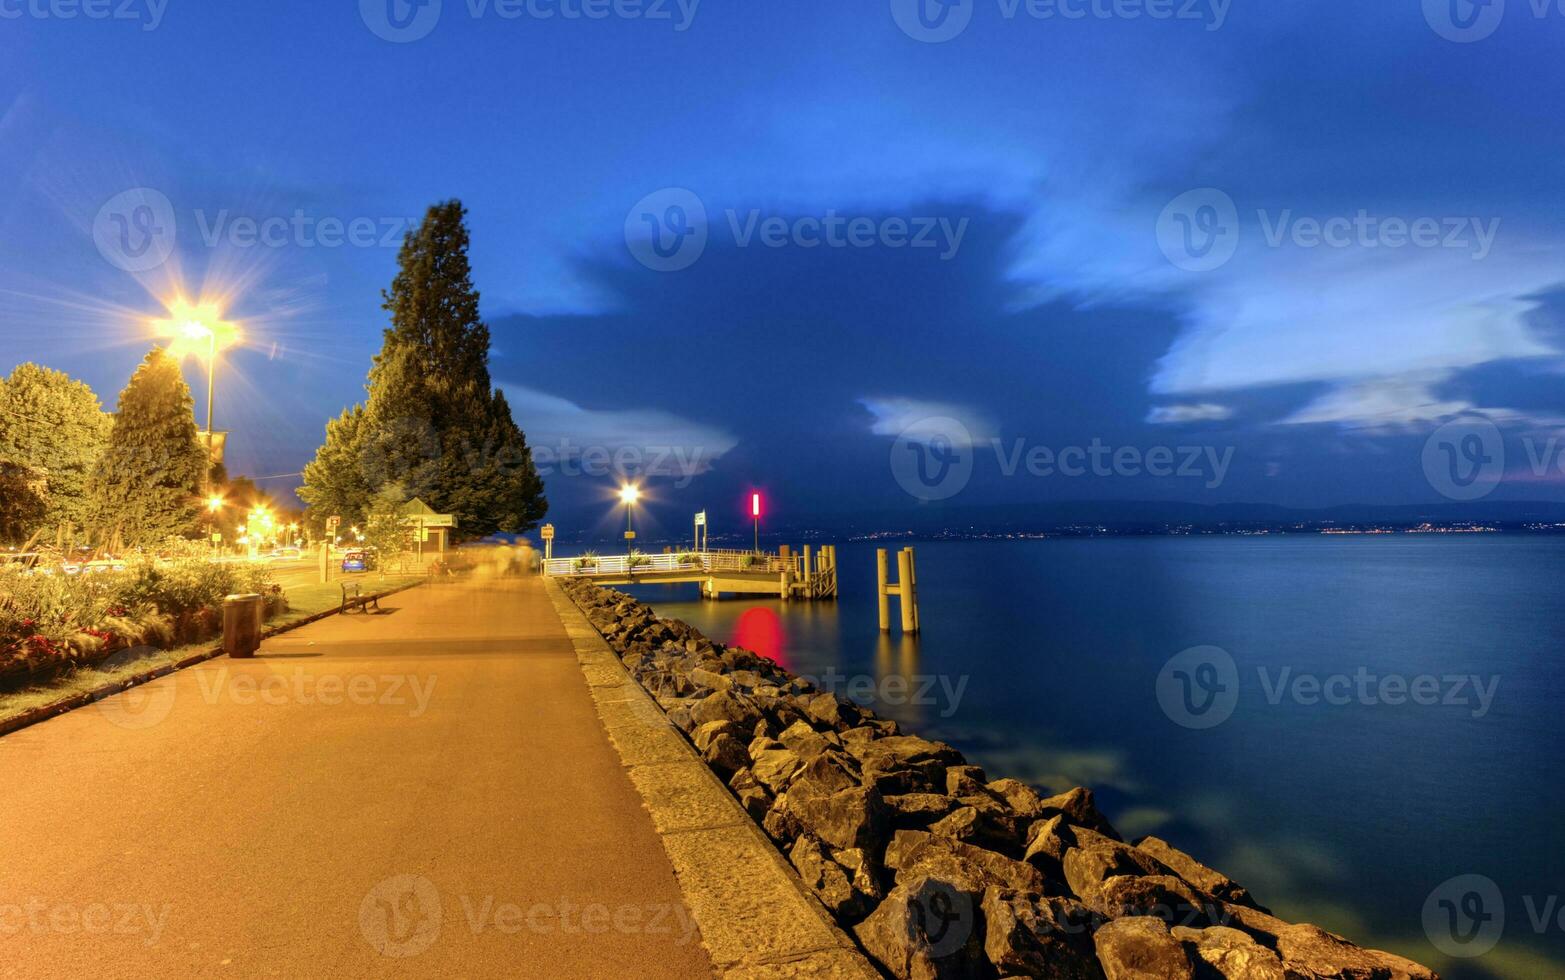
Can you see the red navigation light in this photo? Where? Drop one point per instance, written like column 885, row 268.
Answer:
column 755, row 505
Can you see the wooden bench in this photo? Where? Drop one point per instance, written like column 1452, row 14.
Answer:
column 357, row 600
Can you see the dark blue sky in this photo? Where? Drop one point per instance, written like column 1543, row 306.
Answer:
column 1298, row 237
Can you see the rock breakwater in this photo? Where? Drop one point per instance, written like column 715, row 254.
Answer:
column 938, row 870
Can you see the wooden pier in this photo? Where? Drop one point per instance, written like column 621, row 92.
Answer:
column 809, row 573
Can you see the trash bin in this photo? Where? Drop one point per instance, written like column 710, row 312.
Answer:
column 242, row 624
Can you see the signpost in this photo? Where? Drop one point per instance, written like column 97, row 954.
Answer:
column 547, row 534
column 700, row 526
column 755, row 512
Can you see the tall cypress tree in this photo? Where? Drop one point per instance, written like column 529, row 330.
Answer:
column 146, row 485
column 434, row 424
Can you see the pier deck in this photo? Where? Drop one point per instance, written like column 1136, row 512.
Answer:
column 804, row 575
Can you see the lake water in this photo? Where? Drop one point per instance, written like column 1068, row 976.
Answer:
column 1050, row 661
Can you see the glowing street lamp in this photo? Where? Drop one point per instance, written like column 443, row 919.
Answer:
column 629, row 494
column 198, row 328
column 214, row 504
column 755, row 512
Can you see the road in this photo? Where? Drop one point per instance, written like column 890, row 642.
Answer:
column 423, row 793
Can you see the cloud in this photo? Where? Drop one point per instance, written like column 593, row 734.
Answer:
column 914, row 418
column 1175, row 414
column 641, row 441
column 1399, row 403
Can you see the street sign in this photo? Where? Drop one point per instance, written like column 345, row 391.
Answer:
column 701, row 519
column 546, row 532
column 332, row 522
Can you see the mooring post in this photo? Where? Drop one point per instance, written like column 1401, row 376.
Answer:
column 905, row 591
column 881, row 590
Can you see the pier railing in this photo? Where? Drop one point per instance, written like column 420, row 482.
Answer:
column 689, row 561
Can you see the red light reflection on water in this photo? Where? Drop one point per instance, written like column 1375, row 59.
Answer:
column 761, row 630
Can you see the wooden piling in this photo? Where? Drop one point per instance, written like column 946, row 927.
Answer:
column 881, row 590
column 906, row 595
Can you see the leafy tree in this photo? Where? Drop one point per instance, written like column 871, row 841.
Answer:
column 22, row 500
column 146, row 485
column 386, row 530
column 51, row 426
column 334, row 482
column 433, row 424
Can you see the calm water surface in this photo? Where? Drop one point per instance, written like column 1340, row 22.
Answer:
column 1041, row 660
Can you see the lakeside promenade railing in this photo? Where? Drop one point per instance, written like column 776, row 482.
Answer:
column 796, row 573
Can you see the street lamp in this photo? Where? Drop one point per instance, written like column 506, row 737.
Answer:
column 755, row 512
column 629, row 494
column 214, row 504
column 199, row 328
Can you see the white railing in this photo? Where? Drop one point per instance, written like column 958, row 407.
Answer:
column 704, row 562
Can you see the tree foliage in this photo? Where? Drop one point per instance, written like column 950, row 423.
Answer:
column 52, row 431
column 146, row 485
column 433, row 424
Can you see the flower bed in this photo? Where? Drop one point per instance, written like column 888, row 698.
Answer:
column 48, row 622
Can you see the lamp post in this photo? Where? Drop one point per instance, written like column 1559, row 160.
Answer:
column 755, row 513
column 214, row 503
column 629, row 494
column 199, row 328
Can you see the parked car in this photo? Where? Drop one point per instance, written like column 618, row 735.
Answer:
column 287, row 554
column 103, row 565
column 358, row 561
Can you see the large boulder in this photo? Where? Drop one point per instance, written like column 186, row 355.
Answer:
column 1080, row 809
column 1210, row 882
column 831, row 882
column 740, row 709
column 726, row 755
column 1230, row 954
column 927, row 929
column 1095, row 858
column 1165, row 896
column 1023, row 800
column 913, row 853
column 1140, row 948
column 1025, row 935
column 854, row 817
column 1310, row 951
column 916, row 811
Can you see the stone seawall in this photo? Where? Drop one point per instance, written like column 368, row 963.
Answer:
column 937, row 870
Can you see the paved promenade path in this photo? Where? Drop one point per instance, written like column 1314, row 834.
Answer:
column 423, row 793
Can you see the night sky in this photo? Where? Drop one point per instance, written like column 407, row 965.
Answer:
column 998, row 228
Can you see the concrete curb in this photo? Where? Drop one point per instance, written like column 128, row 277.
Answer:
column 54, row 709
column 757, row 920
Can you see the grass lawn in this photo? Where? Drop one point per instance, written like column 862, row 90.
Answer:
column 304, row 601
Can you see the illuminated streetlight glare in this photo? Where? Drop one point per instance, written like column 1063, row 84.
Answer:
column 629, row 493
